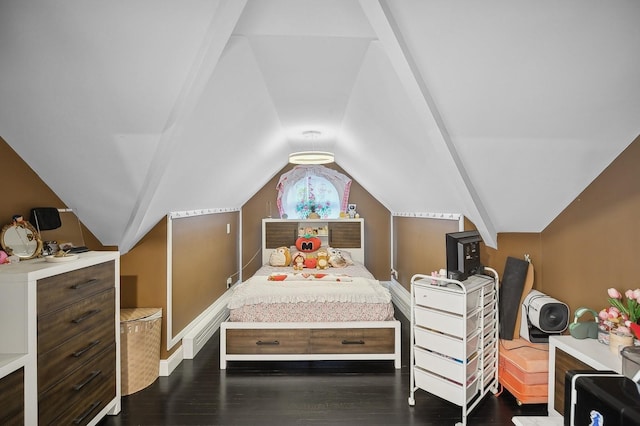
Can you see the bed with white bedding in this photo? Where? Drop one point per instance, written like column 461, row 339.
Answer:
column 332, row 314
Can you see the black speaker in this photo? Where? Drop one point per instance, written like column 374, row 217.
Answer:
column 45, row 218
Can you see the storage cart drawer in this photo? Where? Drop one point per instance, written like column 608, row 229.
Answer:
column 447, row 367
column 443, row 298
column 439, row 386
column 453, row 325
column 446, row 345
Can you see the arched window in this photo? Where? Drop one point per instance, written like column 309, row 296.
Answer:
column 306, row 189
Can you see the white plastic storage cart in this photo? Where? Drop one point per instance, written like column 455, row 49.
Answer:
column 454, row 338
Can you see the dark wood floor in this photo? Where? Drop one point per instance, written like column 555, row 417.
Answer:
column 300, row 393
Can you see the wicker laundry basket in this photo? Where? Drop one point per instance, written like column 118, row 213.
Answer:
column 139, row 347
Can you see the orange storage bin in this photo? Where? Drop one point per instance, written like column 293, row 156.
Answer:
column 523, row 370
column 524, row 393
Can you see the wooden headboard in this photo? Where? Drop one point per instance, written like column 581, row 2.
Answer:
column 345, row 234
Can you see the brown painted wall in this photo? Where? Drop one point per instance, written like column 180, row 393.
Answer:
column 419, row 246
column 24, row 190
column 593, row 244
column 376, row 224
column 204, row 256
column 143, row 277
column 515, row 244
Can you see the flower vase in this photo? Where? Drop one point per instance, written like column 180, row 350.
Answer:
column 618, row 341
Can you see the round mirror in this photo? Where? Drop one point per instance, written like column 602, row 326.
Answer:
column 21, row 239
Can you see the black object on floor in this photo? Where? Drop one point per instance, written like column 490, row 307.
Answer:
column 510, row 294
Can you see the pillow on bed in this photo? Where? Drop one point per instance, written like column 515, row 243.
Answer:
column 280, row 257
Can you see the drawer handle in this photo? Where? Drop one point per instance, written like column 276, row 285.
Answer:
column 92, row 376
column 84, row 284
column 353, row 342
column 85, row 316
column 80, row 420
column 83, row 350
column 273, row 343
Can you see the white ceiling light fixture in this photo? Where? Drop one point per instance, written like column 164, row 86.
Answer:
column 311, row 157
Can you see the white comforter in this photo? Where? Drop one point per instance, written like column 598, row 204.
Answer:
column 331, row 288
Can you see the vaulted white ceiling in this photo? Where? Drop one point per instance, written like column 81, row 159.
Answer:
column 503, row 111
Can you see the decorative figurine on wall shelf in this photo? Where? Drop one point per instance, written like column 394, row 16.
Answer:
column 351, row 211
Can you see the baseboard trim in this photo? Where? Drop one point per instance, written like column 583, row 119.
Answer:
column 168, row 365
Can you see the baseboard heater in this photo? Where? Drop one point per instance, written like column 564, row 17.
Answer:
column 200, row 334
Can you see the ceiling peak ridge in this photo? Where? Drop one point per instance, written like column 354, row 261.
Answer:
column 383, row 24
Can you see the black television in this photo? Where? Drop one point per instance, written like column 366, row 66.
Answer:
column 463, row 254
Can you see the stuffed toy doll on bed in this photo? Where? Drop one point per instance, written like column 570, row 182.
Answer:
column 280, row 257
column 297, row 261
column 322, row 256
column 336, row 259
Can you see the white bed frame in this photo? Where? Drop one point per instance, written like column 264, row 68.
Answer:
column 263, row 344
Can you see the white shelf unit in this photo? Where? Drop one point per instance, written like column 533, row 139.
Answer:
column 454, row 338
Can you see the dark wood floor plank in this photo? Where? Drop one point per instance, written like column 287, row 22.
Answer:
column 300, row 393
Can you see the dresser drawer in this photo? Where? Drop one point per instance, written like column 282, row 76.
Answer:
column 65, row 289
column 82, row 317
column 82, row 394
column 70, row 355
column 12, row 398
column 352, row 340
column 268, row 341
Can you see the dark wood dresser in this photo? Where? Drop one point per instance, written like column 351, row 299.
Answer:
column 12, row 398
column 67, row 317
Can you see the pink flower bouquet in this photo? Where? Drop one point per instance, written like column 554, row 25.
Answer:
column 624, row 311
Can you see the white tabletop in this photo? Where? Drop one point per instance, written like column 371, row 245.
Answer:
column 537, row 421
